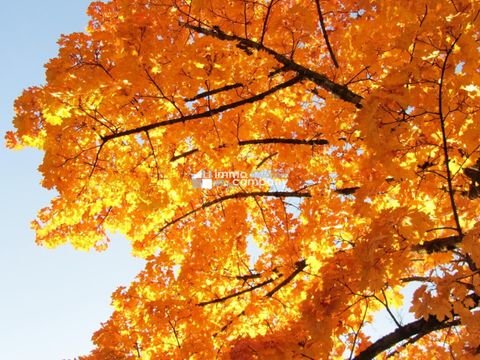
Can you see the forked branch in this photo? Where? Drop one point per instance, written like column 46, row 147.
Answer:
column 321, row 80
column 299, row 266
column 205, row 114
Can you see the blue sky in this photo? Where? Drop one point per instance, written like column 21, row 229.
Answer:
column 52, row 300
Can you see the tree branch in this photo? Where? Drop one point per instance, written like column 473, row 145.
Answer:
column 182, row 155
column 438, row 245
column 205, row 114
column 214, row 91
column 325, row 34
column 258, row 142
column 444, row 139
column 265, row 21
column 357, row 333
column 412, row 332
column 283, row 141
column 415, row 278
column 420, row 326
column 238, row 293
column 239, row 195
column 347, row 191
column 321, row 80
column 300, row 265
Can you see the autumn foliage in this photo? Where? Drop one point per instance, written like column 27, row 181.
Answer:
column 364, row 112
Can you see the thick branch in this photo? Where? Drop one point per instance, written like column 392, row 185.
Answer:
column 205, row 114
column 439, row 244
column 347, row 191
column 284, row 141
column 415, row 278
column 259, row 142
column 321, row 80
column 421, row 326
column 414, row 330
column 248, row 276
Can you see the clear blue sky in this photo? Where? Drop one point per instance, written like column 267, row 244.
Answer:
column 51, row 300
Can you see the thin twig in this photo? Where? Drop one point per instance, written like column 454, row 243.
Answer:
column 214, row 91
column 235, row 294
column 154, row 155
column 325, row 34
column 300, row 265
column 265, row 21
column 444, row 139
column 355, row 338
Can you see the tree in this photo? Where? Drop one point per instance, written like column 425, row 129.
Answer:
column 363, row 115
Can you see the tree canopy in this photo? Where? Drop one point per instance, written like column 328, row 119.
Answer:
column 334, row 149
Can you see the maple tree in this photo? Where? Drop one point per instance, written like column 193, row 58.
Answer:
column 367, row 109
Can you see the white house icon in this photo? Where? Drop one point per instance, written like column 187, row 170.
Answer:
column 199, row 182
